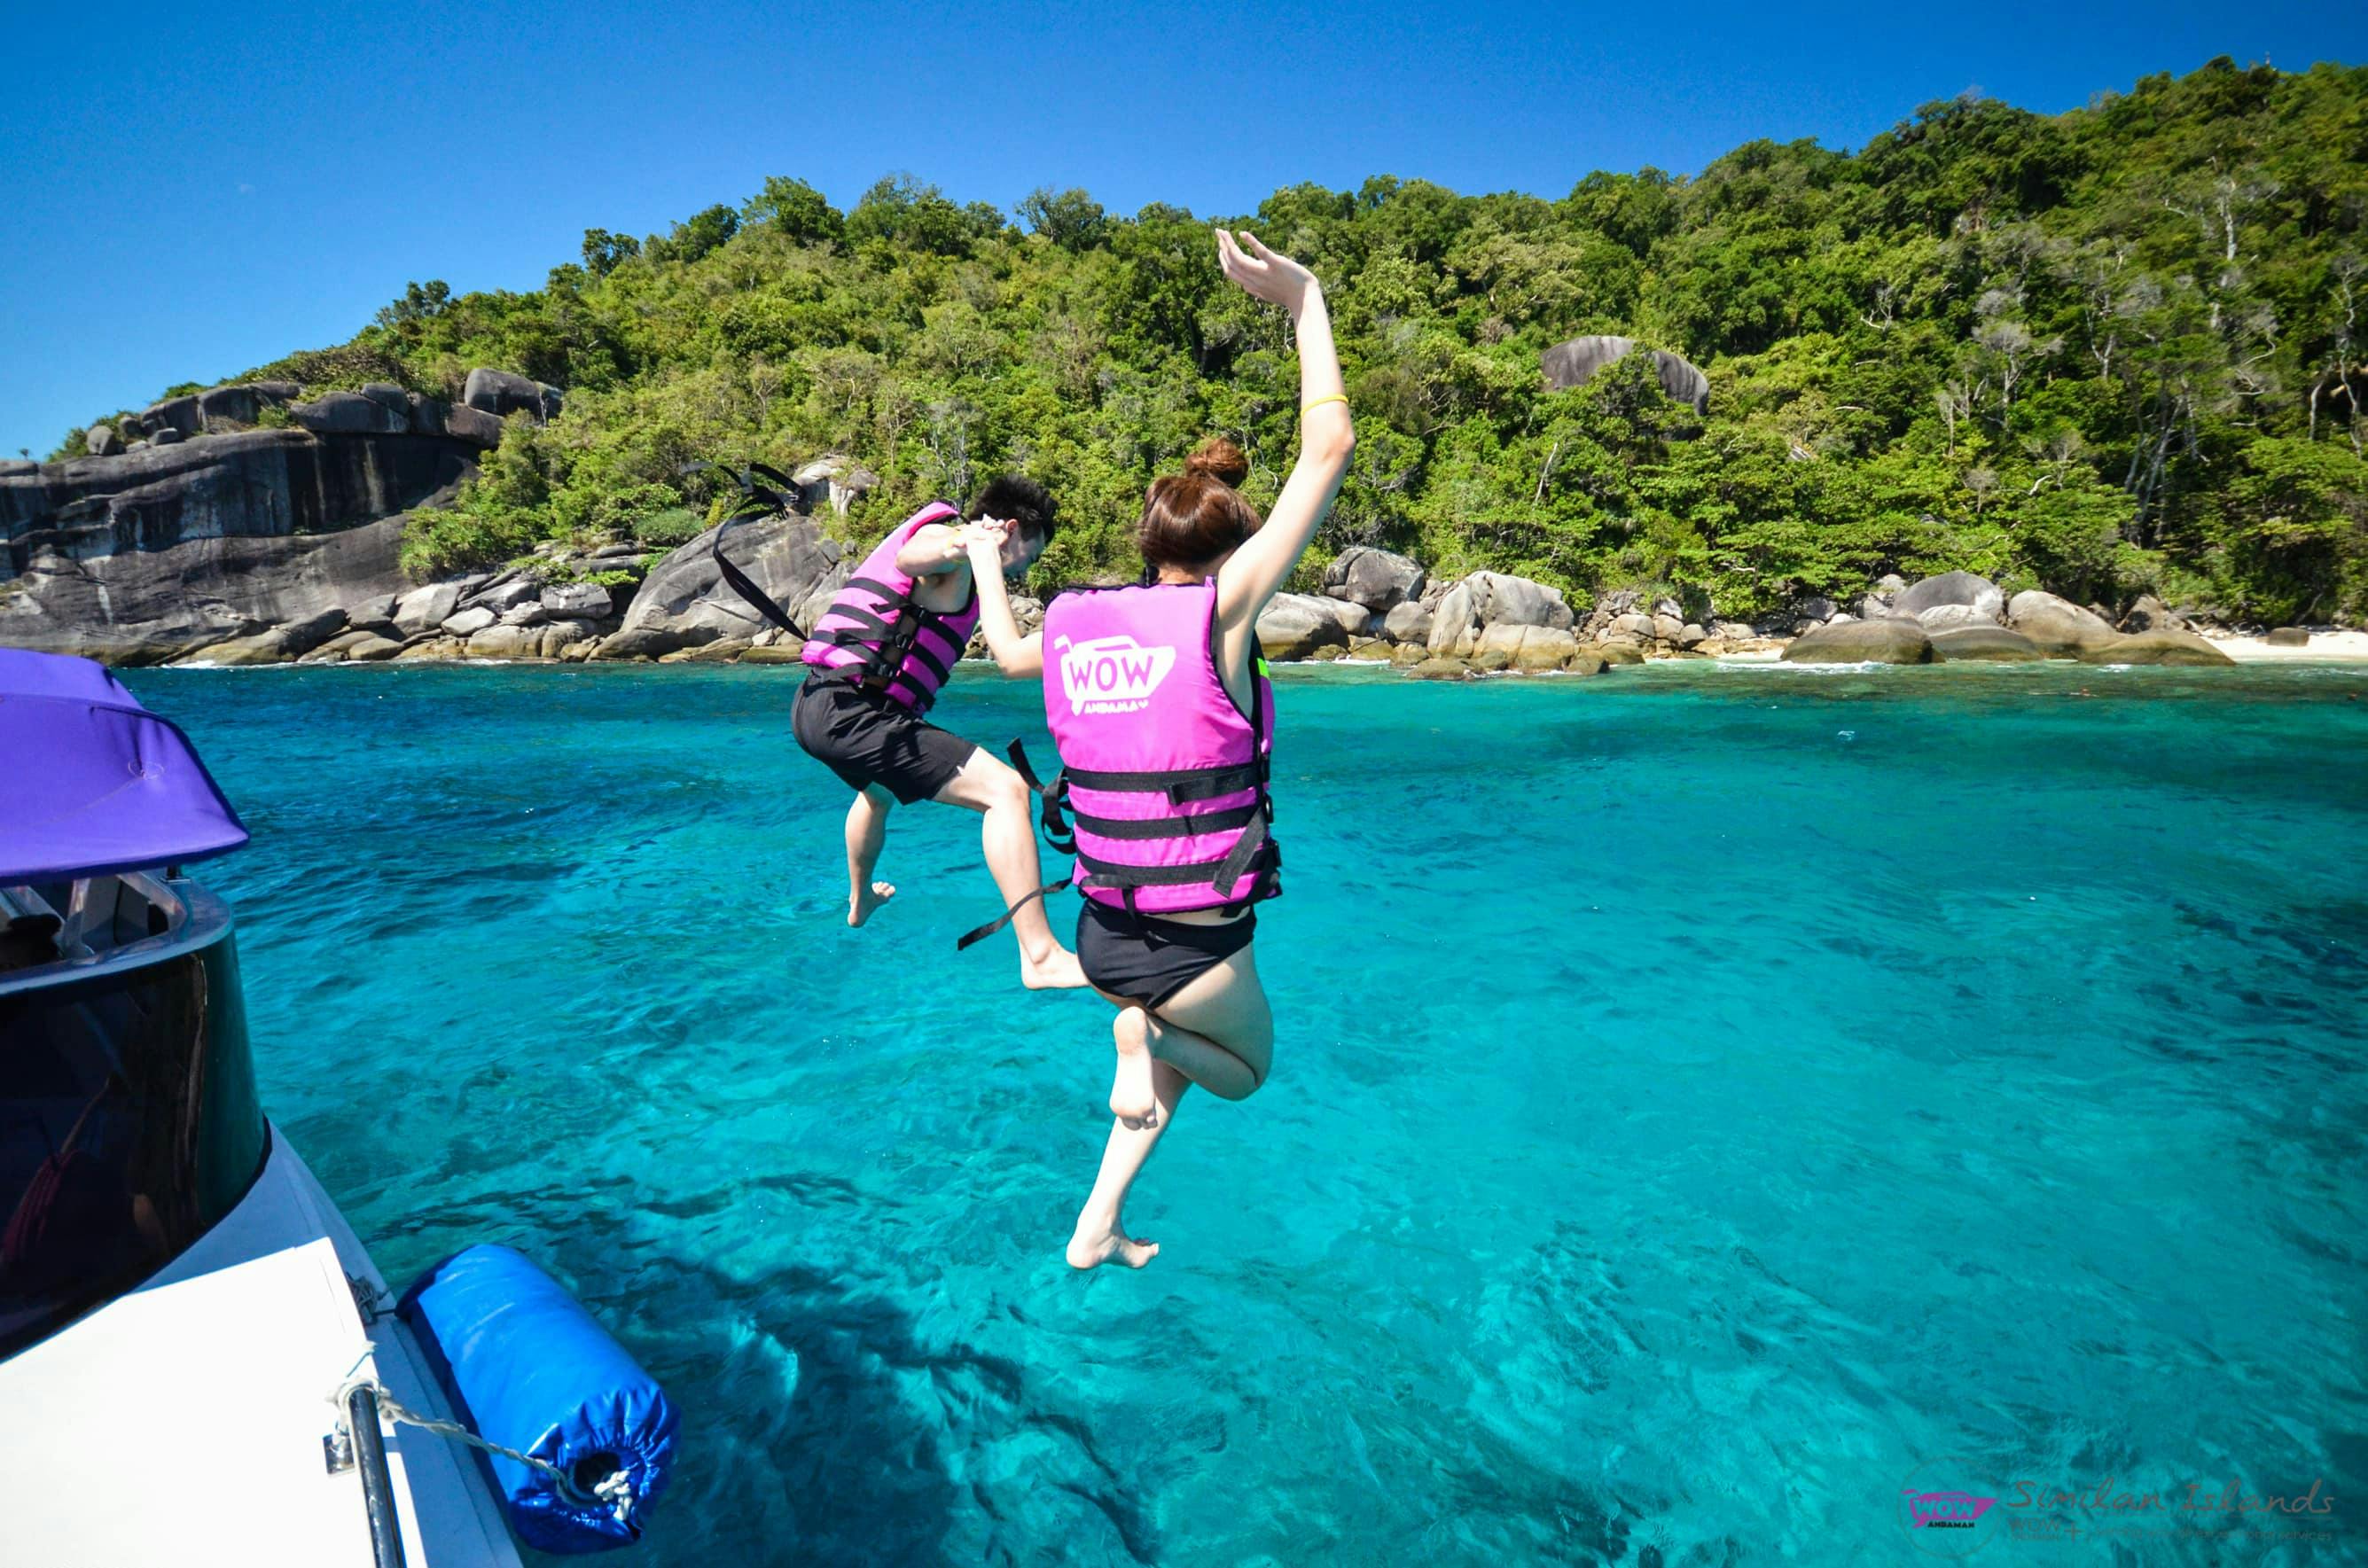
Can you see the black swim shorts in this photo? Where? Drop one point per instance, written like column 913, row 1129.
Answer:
column 870, row 738
column 1146, row 960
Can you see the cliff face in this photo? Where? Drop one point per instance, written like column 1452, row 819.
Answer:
column 144, row 556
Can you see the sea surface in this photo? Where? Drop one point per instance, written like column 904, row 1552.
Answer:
column 1709, row 1101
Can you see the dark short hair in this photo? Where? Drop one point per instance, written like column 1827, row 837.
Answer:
column 1020, row 499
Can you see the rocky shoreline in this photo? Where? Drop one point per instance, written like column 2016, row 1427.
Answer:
column 248, row 525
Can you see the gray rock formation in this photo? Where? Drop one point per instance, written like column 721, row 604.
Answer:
column 834, row 479
column 2150, row 614
column 2288, row 637
column 1861, row 641
column 1952, row 618
column 1993, row 644
column 242, row 403
column 499, row 392
column 353, row 414
column 577, row 600
column 1575, row 363
column 1408, row 622
column 1489, row 599
column 102, row 441
column 142, row 557
column 1966, row 588
column 425, row 608
column 2058, row 625
column 1297, row 626
column 684, row 601
column 1377, row 579
column 2167, row 646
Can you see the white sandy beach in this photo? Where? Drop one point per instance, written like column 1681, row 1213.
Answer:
column 2346, row 647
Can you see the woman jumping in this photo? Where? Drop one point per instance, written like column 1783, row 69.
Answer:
column 1164, row 718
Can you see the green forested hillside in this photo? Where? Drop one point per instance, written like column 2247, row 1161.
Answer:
column 2111, row 351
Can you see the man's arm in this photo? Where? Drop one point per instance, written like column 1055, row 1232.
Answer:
column 934, row 550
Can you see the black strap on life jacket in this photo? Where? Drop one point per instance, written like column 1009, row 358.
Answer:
column 755, row 501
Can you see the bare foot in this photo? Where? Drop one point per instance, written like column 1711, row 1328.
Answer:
column 1132, row 1100
column 1095, row 1243
column 1058, row 970
column 859, row 907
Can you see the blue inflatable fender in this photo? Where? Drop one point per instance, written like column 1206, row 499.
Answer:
column 526, row 1367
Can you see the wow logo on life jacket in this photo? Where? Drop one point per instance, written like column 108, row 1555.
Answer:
column 1111, row 674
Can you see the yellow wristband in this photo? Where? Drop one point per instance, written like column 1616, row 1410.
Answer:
column 1329, row 397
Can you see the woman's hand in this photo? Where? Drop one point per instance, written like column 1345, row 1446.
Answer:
column 1266, row 274
column 983, row 543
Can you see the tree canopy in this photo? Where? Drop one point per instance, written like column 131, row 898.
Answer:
column 2111, row 351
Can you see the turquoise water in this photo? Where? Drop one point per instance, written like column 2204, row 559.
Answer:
column 1704, row 1095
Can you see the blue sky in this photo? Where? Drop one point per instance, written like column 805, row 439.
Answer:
column 197, row 190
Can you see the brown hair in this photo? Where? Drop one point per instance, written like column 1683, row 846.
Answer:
column 1191, row 518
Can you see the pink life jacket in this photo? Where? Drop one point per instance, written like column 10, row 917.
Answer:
column 1166, row 776
column 875, row 635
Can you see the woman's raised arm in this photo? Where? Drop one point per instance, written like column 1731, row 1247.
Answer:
column 1326, row 437
column 1014, row 654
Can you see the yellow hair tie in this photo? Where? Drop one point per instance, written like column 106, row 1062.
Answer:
column 1329, row 397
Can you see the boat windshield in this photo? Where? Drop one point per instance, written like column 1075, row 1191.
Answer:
column 129, row 1120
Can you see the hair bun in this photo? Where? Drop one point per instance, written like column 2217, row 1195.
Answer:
column 1220, row 460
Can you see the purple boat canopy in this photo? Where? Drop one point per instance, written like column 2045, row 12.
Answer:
column 93, row 783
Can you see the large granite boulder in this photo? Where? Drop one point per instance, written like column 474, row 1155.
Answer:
column 1576, row 362
column 278, row 644
column 499, row 392
column 425, row 608
column 2288, row 637
column 2164, row 647
column 2150, row 614
column 502, row 641
column 474, row 425
column 1377, row 579
column 182, row 414
column 1861, row 642
column 1950, row 618
column 684, row 601
column 1297, row 626
column 240, row 404
column 1492, row 599
column 587, row 601
column 352, row 414
column 834, row 479
column 102, row 441
column 1991, row 644
column 1964, row 588
column 1408, row 622
column 2058, row 625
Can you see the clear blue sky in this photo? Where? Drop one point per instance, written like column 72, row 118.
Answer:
column 195, row 190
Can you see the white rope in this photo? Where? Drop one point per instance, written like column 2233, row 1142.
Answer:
column 614, row 1494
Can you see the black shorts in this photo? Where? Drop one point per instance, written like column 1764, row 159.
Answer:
column 870, row 738
column 1147, row 960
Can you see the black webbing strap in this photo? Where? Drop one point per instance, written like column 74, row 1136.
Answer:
column 1050, row 818
column 1181, row 785
column 755, row 501
column 1170, row 827
column 1236, row 863
column 1000, row 921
